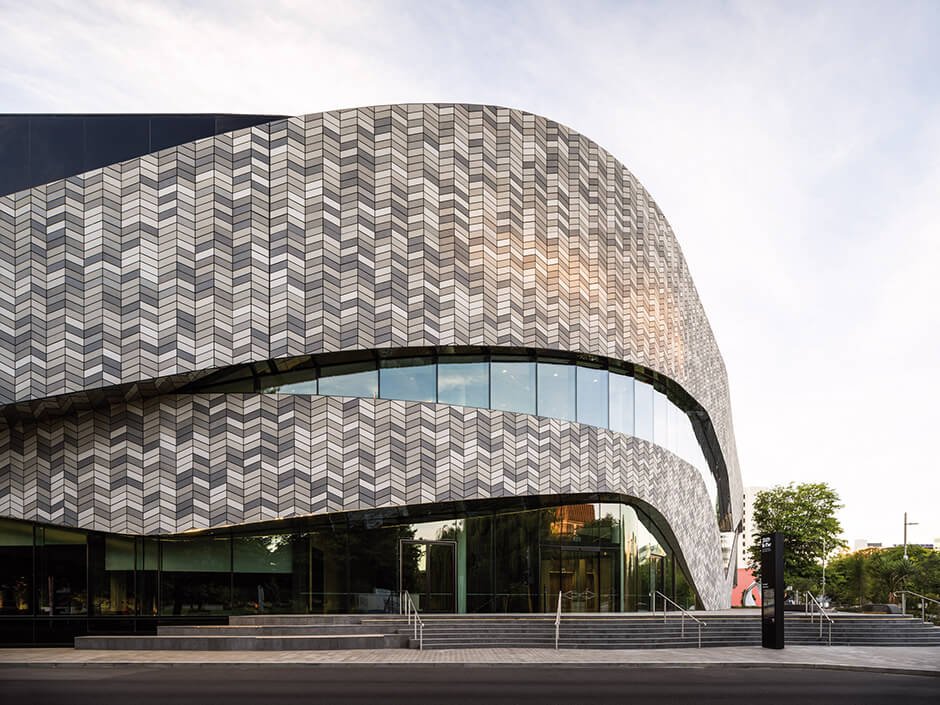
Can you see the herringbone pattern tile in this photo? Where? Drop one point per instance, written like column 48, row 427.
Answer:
column 177, row 462
column 390, row 226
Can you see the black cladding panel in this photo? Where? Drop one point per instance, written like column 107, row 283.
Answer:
column 56, row 148
column 170, row 131
column 14, row 152
column 37, row 149
column 110, row 138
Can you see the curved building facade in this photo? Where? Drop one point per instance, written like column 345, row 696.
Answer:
column 312, row 362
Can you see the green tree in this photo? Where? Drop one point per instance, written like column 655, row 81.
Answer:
column 848, row 577
column 806, row 515
column 927, row 578
column 877, row 574
column 891, row 571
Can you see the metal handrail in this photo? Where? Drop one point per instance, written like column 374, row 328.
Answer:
column 411, row 609
column 923, row 605
column 822, row 614
column 685, row 613
column 557, row 620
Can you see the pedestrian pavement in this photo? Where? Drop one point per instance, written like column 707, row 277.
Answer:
column 906, row 660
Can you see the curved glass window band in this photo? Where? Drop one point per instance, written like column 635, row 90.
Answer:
column 549, row 385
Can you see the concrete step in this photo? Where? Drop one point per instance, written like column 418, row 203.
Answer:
column 271, row 630
column 580, row 631
column 271, row 619
column 242, row 643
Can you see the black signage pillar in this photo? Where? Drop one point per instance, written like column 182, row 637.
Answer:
column 771, row 589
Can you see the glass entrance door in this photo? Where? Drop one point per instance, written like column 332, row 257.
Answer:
column 429, row 574
column 651, row 577
column 587, row 576
column 580, row 570
column 657, row 580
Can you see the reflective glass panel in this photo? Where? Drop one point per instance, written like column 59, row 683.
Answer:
column 643, row 410
column 111, row 560
column 660, row 419
column 270, row 573
column 16, row 567
column 196, row 576
column 516, row 560
column 592, row 396
column 61, row 569
column 646, row 567
column 556, row 393
column 428, row 574
column 437, row 530
column 685, row 595
column 463, row 383
column 293, row 382
column 359, row 379
column 442, row 577
column 479, row 562
column 674, row 442
column 373, row 568
column 512, row 386
column 610, row 543
column 682, row 438
column 620, row 388
column 629, row 523
column 601, row 556
column 148, row 564
column 412, row 379
column 328, row 563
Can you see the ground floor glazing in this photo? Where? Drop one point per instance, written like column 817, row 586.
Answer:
column 603, row 554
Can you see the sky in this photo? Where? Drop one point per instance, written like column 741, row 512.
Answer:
column 794, row 148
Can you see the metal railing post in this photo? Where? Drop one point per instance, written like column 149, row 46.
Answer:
column 557, row 620
column 684, row 613
column 923, row 602
column 412, row 609
column 822, row 613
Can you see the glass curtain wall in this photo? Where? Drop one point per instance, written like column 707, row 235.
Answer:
column 600, row 556
column 591, row 391
column 16, row 568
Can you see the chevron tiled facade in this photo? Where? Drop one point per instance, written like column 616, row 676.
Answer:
column 396, row 226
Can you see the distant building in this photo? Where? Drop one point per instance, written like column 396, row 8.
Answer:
column 748, row 535
column 861, row 544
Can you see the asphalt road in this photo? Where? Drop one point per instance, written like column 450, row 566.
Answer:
column 366, row 685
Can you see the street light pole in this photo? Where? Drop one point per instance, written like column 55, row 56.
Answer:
column 904, row 594
column 907, row 524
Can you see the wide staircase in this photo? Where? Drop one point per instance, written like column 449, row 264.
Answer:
column 269, row 633
column 576, row 631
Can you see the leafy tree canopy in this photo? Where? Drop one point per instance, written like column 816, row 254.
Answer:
column 806, row 515
column 877, row 574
